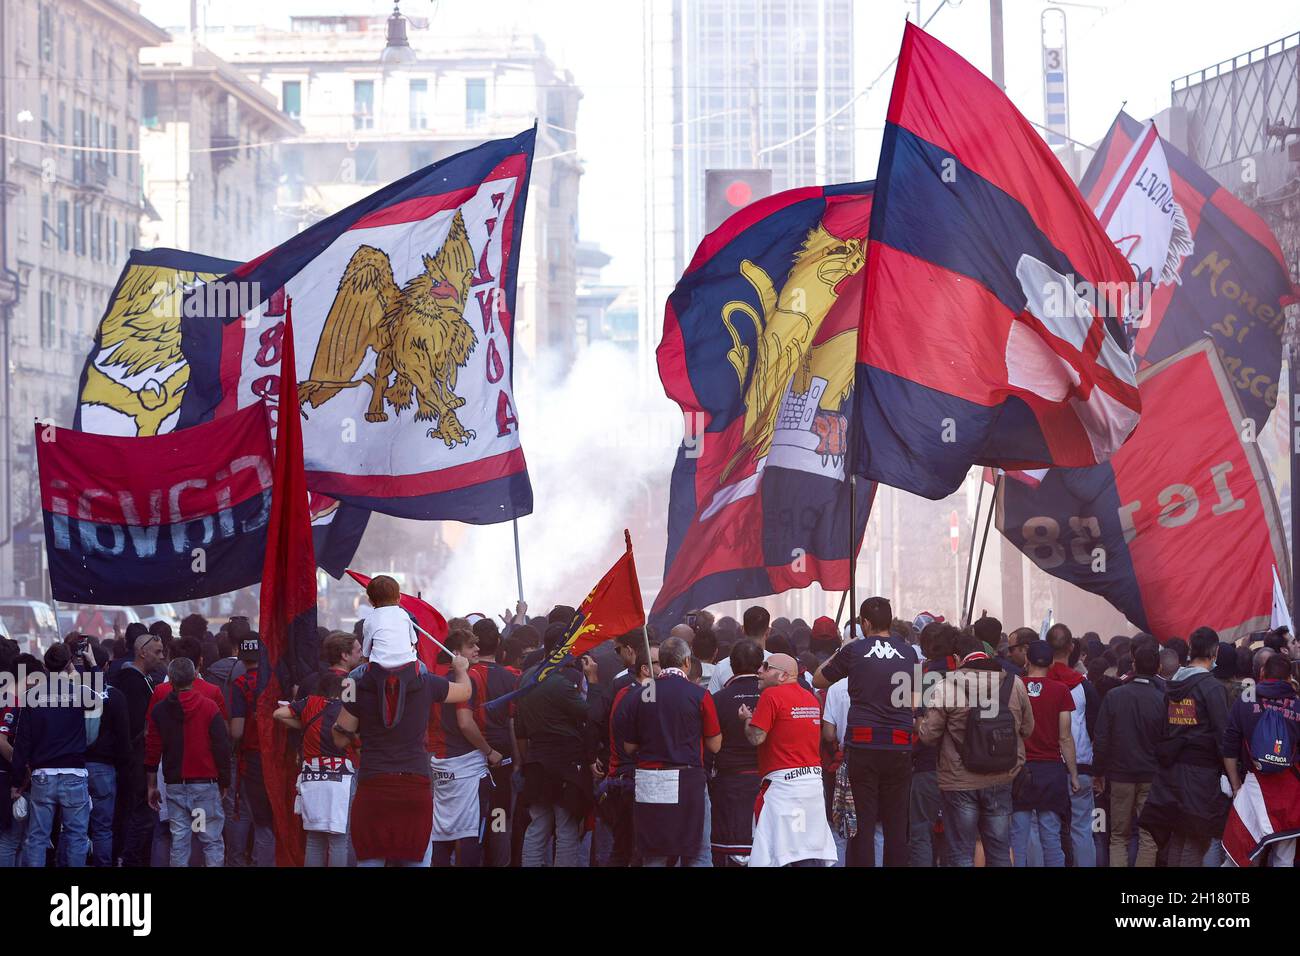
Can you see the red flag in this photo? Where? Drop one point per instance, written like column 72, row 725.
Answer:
column 612, row 608
column 288, row 610
column 425, row 614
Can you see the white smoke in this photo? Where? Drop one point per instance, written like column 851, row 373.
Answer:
column 600, row 450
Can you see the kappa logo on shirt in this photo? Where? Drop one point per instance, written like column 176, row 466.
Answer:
column 883, row 651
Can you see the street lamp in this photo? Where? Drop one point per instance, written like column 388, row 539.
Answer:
column 397, row 52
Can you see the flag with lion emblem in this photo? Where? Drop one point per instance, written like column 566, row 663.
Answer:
column 758, row 349
column 404, row 309
column 136, row 375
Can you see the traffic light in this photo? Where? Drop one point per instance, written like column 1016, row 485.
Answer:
column 728, row 190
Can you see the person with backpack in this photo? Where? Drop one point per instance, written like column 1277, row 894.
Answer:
column 979, row 718
column 1187, row 808
column 1263, row 733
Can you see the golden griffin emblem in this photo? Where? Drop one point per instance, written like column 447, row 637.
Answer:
column 785, row 326
column 141, row 335
column 417, row 331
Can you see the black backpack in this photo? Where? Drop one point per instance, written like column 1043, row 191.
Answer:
column 990, row 745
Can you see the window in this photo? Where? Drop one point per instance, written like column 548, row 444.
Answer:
column 112, row 145
column 45, row 31
column 79, row 229
column 63, row 122
column 79, row 139
column 291, row 98
column 149, row 106
column 47, row 222
column 63, row 225
column 475, row 101
column 419, row 104
column 363, row 104
column 47, row 319
column 45, row 118
column 130, row 161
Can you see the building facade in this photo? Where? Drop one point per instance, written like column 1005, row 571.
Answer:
column 736, row 84
column 208, row 144
column 367, row 123
column 71, row 184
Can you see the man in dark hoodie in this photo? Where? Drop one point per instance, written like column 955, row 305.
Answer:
column 108, row 758
column 51, row 746
column 1186, row 807
column 1273, row 692
column 1124, row 752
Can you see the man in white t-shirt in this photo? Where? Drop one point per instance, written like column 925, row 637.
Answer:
column 757, row 625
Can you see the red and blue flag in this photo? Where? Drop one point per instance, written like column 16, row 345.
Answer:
column 758, row 349
column 1232, row 286
column 1180, row 527
column 993, row 327
column 159, row 518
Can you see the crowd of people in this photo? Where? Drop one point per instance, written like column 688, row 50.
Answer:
column 727, row 743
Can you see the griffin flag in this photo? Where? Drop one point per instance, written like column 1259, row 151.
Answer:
column 758, row 349
column 405, row 309
column 136, row 375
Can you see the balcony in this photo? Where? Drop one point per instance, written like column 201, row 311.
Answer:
column 89, row 174
column 225, row 150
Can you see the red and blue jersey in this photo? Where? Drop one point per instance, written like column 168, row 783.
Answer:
column 669, row 726
column 445, row 738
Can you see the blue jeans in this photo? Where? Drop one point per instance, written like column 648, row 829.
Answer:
column 103, row 801
column 1048, row 827
column 62, row 791
column 922, row 816
column 983, row 813
column 11, row 841
column 1081, row 836
column 194, row 809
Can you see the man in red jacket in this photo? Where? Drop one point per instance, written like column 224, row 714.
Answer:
column 187, row 735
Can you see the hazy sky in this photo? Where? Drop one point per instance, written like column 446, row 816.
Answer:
column 1124, row 49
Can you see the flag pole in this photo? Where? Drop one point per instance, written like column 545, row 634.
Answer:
column 988, row 522
column 519, row 568
column 441, row 646
column 645, row 627
column 970, row 560
column 853, row 552
column 840, row 613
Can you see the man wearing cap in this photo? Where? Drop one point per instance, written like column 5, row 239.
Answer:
column 1049, row 773
column 251, row 800
column 825, row 639
column 790, row 826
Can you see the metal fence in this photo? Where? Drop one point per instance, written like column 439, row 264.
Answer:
column 1232, row 104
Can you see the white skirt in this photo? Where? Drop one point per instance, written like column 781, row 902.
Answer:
column 790, row 819
column 325, row 787
column 456, row 812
